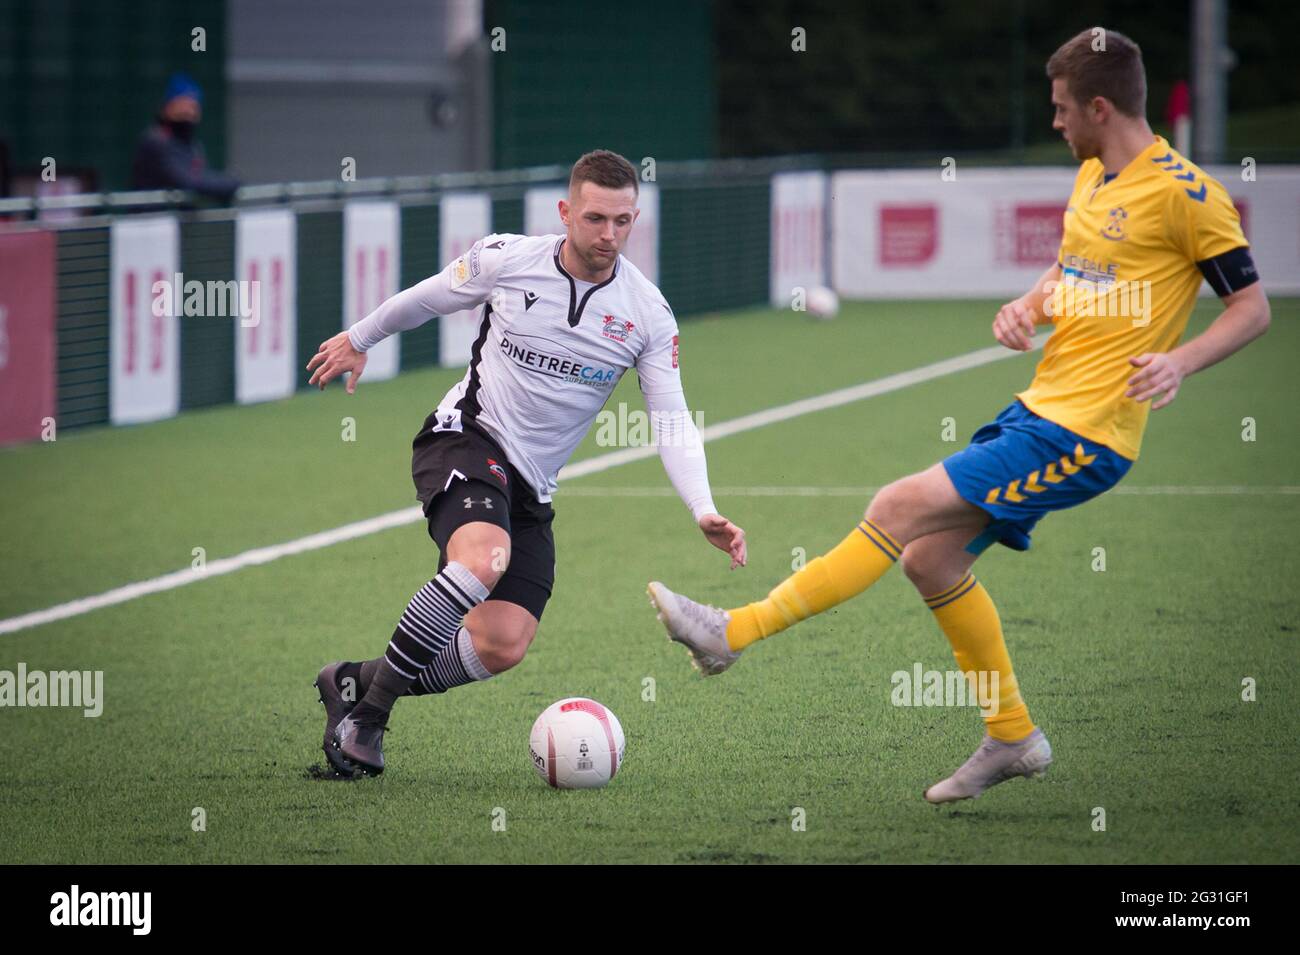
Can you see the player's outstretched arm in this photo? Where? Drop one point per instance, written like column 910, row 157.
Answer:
column 681, row 449
column 409, row 308
column 465, row 283
column 1160, row 374
column 1014, row 324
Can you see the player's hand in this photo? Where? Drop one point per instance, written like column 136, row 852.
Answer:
column 1014, row 326
column 724, row 535
column 1160, row 375
column 334, row 357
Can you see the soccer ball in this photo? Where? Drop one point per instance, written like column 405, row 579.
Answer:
column 576, row 744
column 822, row 302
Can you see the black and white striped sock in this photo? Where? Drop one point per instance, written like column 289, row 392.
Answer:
column 427, row 627
column 432, row 619
column 456, row 665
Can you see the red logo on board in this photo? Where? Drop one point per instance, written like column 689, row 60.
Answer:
column 1028, row 233
column 909, row 235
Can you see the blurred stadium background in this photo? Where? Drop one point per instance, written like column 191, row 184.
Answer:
column 711, row 99
column 766, row 168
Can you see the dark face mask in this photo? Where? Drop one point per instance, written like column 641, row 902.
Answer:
column 183, row 130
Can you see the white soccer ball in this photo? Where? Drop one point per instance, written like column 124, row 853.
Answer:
column 577, row 744
column 822, row 302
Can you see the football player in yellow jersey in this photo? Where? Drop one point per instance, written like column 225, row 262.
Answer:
column 1143, row 227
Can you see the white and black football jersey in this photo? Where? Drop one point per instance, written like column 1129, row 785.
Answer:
column 549, row 350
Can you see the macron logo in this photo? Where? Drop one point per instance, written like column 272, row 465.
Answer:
column 102, row 908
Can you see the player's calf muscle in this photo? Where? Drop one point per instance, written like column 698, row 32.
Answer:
column 504, row 648
column 502, row 633
column 937, row 561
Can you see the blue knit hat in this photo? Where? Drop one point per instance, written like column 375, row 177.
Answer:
column 182, row 84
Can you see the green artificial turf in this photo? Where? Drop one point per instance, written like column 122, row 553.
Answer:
column 1135, row 672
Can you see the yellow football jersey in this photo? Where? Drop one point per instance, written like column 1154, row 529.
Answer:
column 1129, row 280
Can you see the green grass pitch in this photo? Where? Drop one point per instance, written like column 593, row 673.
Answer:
column 1135, row 672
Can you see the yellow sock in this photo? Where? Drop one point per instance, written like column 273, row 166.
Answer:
column 851, row 567
column 966, row 615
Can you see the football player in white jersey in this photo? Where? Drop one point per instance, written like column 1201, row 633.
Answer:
column 563, row 317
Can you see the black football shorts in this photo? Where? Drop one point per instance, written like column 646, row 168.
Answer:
column 463, row 476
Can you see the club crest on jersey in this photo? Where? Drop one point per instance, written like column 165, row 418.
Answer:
column 466, row 266
column 498, row 470
column 459, row 272
column 1114, row 229
column 614, row 329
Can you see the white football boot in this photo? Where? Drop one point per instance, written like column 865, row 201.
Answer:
column 994, row 762
column 701, row 628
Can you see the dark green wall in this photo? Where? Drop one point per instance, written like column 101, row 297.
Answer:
column 948, row 76
column 320, row 283
column 208, row 344
column 419, row 228
column 576, row 76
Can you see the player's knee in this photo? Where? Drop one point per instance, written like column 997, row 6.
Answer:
column 888, row 509
column 487, row 562
column 505, row 648
column 482, row 549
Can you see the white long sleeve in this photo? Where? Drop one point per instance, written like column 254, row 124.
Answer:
column 681, row 449
column 465, row 283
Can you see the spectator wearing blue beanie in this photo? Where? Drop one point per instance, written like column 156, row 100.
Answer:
column 169, row 156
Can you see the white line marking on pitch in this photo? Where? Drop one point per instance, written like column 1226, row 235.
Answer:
column 411, row 515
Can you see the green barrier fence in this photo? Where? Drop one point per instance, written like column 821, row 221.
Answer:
column 419, row 261
column 83, row 289
column 713, row 248
column 320, row 283
column 207, row 344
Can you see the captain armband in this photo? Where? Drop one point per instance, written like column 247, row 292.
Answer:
column 1229, row 272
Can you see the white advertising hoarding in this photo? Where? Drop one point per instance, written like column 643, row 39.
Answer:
column 266, row 343
column 798, row 234
column 992, row 232
column 463, row 219
column 371, row 266
column 144, row 335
